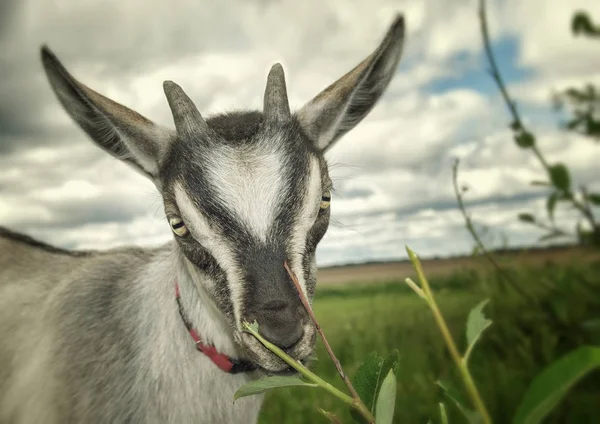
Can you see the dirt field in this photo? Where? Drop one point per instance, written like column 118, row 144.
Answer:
column 378, row 272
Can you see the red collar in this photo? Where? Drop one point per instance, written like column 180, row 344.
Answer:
column 221, row 360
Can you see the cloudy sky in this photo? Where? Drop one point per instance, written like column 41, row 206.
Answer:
column 392, row 173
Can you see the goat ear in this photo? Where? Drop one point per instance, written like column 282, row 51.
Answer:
column 342, row 105
column 117, row 129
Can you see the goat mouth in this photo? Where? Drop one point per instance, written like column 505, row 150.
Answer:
column 285, row 372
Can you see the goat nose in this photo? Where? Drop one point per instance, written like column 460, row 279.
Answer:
column 285, row 335
column 280, row 324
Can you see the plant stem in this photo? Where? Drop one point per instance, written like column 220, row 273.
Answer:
column 478, row 241
column 358, row 404
column 443, row 415
column 462, row 366
column 512, row 107
column 298, row 366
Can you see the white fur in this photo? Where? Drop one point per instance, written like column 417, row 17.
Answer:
column 307, row 217
column 174, row 384
column 199, row 388
column 249, row 182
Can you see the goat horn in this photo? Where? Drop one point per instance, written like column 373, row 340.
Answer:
column 188, row 120
column 276, row 106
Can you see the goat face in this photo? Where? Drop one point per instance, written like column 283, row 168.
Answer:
column 243, row 192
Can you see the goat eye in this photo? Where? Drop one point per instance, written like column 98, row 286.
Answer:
column 325, row 200
column 178, row 226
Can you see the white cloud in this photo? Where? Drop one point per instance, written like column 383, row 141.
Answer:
column 547, row 46
column 546, row 41
column 393, row 171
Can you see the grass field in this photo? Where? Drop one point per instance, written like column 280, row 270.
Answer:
column 563, row 313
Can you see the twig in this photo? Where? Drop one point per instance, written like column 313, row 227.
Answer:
column 359, row 404
column 553, row 228
column 441, row 322
column 478, row 241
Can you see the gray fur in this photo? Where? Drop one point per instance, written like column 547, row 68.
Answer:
column 276, row 106
column 96, row 337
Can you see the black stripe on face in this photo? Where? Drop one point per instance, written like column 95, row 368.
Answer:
column 297, row 173
column 202, row 259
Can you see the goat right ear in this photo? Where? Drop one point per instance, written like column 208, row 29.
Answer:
column 342, row 105
column 117, row 129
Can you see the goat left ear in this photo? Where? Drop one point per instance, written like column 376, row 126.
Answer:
column 115, row 128
column 342, row 105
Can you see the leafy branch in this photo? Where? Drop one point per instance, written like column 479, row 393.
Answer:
column 558, row 173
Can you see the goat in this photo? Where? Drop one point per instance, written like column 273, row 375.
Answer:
column 154, row 335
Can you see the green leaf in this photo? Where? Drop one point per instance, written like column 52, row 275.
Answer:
column 552, row 384
column 525, row 139
column 386, row 401
column 451, row 393
column 582, row 24
column 365, row 382
column 251, row 326
column 560, row 177
column 526, row 217
column 551, row 204
column 593, row 198
column 369, row 379
column 476, row 324
column 268, row 383
column 389, row 364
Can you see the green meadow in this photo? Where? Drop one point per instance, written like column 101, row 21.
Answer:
column 560, row 312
